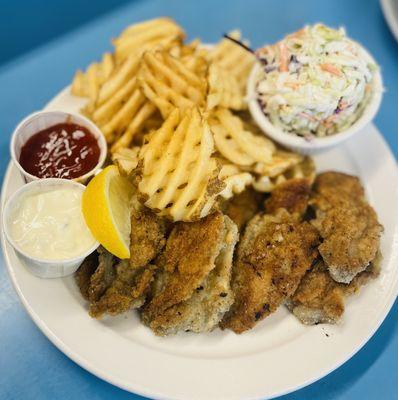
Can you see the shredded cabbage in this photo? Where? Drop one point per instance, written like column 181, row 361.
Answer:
column 315, row 82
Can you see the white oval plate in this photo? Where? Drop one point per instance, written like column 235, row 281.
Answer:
column 262, row 363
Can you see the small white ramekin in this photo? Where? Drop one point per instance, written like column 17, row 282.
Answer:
column 41, row 267
column 314, row 145
column 40, row 120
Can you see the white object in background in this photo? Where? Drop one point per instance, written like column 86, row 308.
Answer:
column 390, row 11
column 41, row 120
column 29, row 250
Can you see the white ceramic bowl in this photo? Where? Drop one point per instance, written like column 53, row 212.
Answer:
column 315, row 145
column 38, row 121
column 41, row 267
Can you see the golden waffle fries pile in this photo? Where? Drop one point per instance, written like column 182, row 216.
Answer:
column 175, row 118
column 152, row 69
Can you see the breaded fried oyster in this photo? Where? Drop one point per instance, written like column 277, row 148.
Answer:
column 148, row 236
column 96, row 275
column 347, row 224
column 272, row 257
column 192, row 293
column 243, row 207
column 320, row 299
column 292, row 195
column 114, row 286
column 127, row 291
column 111, row 285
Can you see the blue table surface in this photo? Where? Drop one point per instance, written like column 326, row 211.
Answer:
column 30, row 366
column 16, row 20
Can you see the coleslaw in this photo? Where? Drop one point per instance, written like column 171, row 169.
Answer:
column 315, row 82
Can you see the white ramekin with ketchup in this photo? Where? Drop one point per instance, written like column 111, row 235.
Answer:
column 57, row 144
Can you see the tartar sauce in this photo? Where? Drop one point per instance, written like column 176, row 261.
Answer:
column 49, row 224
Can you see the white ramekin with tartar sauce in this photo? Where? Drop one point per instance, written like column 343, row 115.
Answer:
column 44, row 223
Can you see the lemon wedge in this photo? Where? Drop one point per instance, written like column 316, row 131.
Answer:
column 106, row 209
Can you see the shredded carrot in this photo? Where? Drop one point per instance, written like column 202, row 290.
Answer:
column 293, row 85
column 331, row 69
column 283, row 57
column 329, row 120
column 307, row 116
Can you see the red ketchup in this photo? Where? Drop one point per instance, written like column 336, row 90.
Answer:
column 62, row 151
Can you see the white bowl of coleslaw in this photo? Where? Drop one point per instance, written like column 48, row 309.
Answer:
column 314, row 89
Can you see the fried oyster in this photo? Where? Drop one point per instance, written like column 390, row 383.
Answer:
column 320, row 299
column 148, row 236
column 347, row 224
column 243, row 207
column 192, row 290
column 272, row 257
column 114, row 286
column 292, row 195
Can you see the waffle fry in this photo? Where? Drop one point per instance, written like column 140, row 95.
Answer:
column 185, row 50
column 146, row 110
column 124, row 73
column 233, row 58
column 194, row 57
column 79, row 85
column 236, row 180
column 138, row 38
column 87, row 84
column 248, row 123
column 177, row 173
column 152, row 123
column 304, row 169
column 112, row 92
column 236, row 144
column 197, row 63
column 224, row 90
column 126, row 159
column 280, row 162
column 169, row 84
column 103, row 114
column 129, row 108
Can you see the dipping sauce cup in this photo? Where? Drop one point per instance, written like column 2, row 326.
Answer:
column 42, row 120
column 44, row 224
